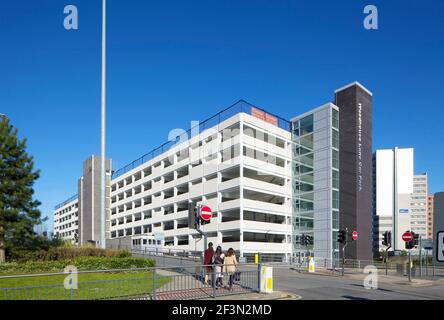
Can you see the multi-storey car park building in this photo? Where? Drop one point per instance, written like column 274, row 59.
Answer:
column 238, row 163
column 267, row 180
column 66, row 220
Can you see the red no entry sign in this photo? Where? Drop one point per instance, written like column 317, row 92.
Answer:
column 206, row 213
column 355, row 235
column 407, row 236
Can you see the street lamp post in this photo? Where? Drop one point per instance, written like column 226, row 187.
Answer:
column 103, row 133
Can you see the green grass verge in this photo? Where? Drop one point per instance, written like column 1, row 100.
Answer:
column 91, row 286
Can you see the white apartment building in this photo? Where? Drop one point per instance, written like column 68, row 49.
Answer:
column 393, row 188
column 419, row 205
column 66, row 217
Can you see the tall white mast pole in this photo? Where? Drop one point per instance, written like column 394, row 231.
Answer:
column 103, row 133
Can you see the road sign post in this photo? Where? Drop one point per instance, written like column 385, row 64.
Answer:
column 355, row 235
column 409, row 238
column 343, row 251
column 420, row 256
column 205, row 213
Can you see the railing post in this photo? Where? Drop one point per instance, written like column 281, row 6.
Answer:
column 259, row 284
column 213, row 283
column 154, row 284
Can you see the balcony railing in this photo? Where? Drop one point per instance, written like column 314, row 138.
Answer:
column 66, row 202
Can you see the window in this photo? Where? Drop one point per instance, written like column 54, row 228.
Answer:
column 335, row 199
column 306, row 125
column 335, row 139
column 335, row 159
column 335, row 219
column 335, row 179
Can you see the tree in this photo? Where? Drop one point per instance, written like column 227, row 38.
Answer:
column 18, row 210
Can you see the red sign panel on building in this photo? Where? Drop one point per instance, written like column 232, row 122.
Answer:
column 271, row 119
column 257, row 113
column 264, row 116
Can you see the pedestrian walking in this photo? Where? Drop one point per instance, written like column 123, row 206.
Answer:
column 230, row 263
column 208, row 260
column 218, row 262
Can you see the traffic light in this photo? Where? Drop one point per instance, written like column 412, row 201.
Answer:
column 302, row 240
column 192, row 219
column 342, row 236
column 308, row 239
column 414, row 242
column 387, row 238
column 415, row 239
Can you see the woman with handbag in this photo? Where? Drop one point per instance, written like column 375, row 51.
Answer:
column 230, row 263
column 218, row 262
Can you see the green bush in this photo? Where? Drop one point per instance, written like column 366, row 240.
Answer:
column 64, row 253
column 81, row 263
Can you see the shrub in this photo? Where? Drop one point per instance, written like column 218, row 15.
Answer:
column 81, row 263
column 64, row 253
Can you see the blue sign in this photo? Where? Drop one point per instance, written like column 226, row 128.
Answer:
column 403, row 210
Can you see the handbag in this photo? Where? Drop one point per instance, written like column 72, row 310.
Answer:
column 237, row 276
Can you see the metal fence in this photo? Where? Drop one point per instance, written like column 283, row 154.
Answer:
column 350, row 266
column 192, row 282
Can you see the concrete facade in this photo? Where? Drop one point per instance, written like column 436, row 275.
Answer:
column 88, row 200
column 430, row 210
column 66, row 220
column 418, row 205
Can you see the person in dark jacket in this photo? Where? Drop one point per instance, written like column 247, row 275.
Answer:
column 208, row 260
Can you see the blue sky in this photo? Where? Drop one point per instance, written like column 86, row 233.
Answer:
column 170, row 62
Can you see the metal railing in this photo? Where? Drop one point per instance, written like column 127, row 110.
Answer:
column 160, row 251
column 192, row 282
column 238, row 107
column 352, row 266
column 71, row 199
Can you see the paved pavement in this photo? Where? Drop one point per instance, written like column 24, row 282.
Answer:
column 277, row 295
column 351, row 287
column 325, row 286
